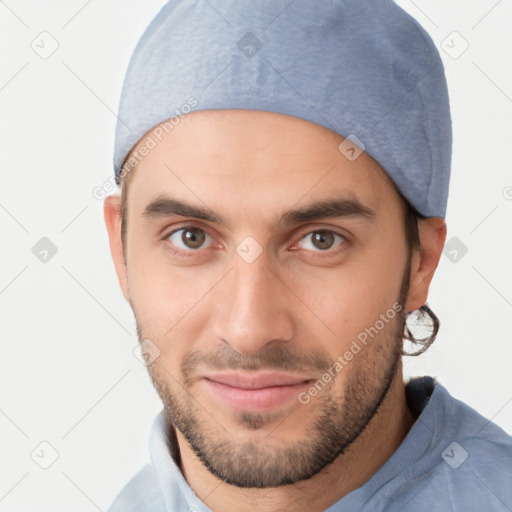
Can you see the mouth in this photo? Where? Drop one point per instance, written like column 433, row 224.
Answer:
column 255, row 391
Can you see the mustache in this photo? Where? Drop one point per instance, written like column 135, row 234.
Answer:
column 271, row 358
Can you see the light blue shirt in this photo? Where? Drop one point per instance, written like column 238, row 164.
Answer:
column 453, row 459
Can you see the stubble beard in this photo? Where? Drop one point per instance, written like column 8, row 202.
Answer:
column 341, row 419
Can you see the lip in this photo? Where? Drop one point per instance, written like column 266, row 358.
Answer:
column 255, row 392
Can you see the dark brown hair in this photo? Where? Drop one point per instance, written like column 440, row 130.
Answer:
column 425, row 317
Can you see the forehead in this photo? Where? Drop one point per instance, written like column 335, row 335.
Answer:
column 251, row 160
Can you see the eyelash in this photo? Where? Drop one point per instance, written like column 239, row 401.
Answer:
column 319, row 254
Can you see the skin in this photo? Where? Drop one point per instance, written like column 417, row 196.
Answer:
column 296, row 307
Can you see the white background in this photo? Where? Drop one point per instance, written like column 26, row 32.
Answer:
column 68, row 375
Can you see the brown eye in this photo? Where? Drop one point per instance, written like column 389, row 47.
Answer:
column 188, row 238
column 322, row 240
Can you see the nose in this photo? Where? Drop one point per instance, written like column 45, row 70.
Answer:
column 255, row 308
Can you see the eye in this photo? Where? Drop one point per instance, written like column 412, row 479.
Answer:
column 188, row 238
column 321, row 240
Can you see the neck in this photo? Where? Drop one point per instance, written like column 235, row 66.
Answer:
column 350, row 470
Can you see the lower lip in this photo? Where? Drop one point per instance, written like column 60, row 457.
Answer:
column 255, row 399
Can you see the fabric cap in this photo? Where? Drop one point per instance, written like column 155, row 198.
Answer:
column 365, row 69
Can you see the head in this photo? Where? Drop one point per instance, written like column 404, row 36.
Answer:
column 246, row 242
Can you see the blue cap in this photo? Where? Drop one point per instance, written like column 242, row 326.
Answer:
column 365, row 69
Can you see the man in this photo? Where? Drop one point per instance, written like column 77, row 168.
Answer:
column 284, row 170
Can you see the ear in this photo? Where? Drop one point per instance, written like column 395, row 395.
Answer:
column 112, row 213
column 432, row 232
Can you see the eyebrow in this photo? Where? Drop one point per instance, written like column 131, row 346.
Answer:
column 329, row 209
column 167, row 207
column 163, row 207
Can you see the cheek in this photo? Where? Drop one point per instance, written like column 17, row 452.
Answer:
column 161, row 296
column 351, row 299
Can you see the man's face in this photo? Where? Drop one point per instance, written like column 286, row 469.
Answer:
column 252, row 307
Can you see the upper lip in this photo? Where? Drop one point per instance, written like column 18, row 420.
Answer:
column 256, row 380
